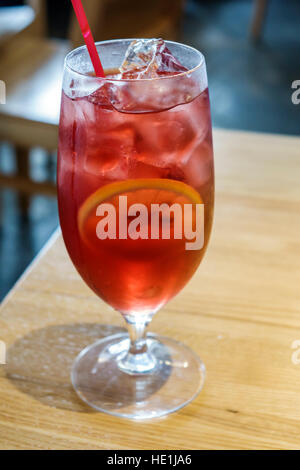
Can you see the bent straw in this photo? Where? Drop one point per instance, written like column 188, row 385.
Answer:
column 88, row 37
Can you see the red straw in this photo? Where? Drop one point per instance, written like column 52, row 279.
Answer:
column 88, row 37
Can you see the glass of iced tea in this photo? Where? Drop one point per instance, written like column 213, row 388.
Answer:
column 136, row 195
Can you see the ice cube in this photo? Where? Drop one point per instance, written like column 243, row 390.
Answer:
column 162, row 141
column 101, row 96
column 68, row 111
column 196, row 117
column 147, row 96
column 168, row 87
column 108, row 153
column 73, row 130
column 199, row 168
column 78, row 88
column 149, row 58
column 139, row 169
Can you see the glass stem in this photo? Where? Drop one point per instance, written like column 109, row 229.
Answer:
column 138, row 359
column 137, row 334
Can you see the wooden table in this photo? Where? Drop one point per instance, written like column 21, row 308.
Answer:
column 240, row 313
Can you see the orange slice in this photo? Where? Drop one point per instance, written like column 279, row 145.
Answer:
column 145, row 190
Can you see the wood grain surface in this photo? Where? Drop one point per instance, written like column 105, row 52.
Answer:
column 240, row 313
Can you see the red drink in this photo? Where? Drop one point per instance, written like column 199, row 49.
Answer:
column 135, row 170
column 100, row 145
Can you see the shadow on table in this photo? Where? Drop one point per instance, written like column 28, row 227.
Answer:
column 39, row 364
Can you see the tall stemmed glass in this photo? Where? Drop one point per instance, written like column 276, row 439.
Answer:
column 146, row 142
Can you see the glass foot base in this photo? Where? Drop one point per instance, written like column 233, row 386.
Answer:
column 100, row 380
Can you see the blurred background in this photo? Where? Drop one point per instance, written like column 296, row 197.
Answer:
column 252, row 50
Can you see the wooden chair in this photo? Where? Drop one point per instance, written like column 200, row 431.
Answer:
column 13, row 20
column 113, row 19
column 32, row 66
column 258, row 19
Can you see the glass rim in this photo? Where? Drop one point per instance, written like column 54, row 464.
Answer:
column 109, row 79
